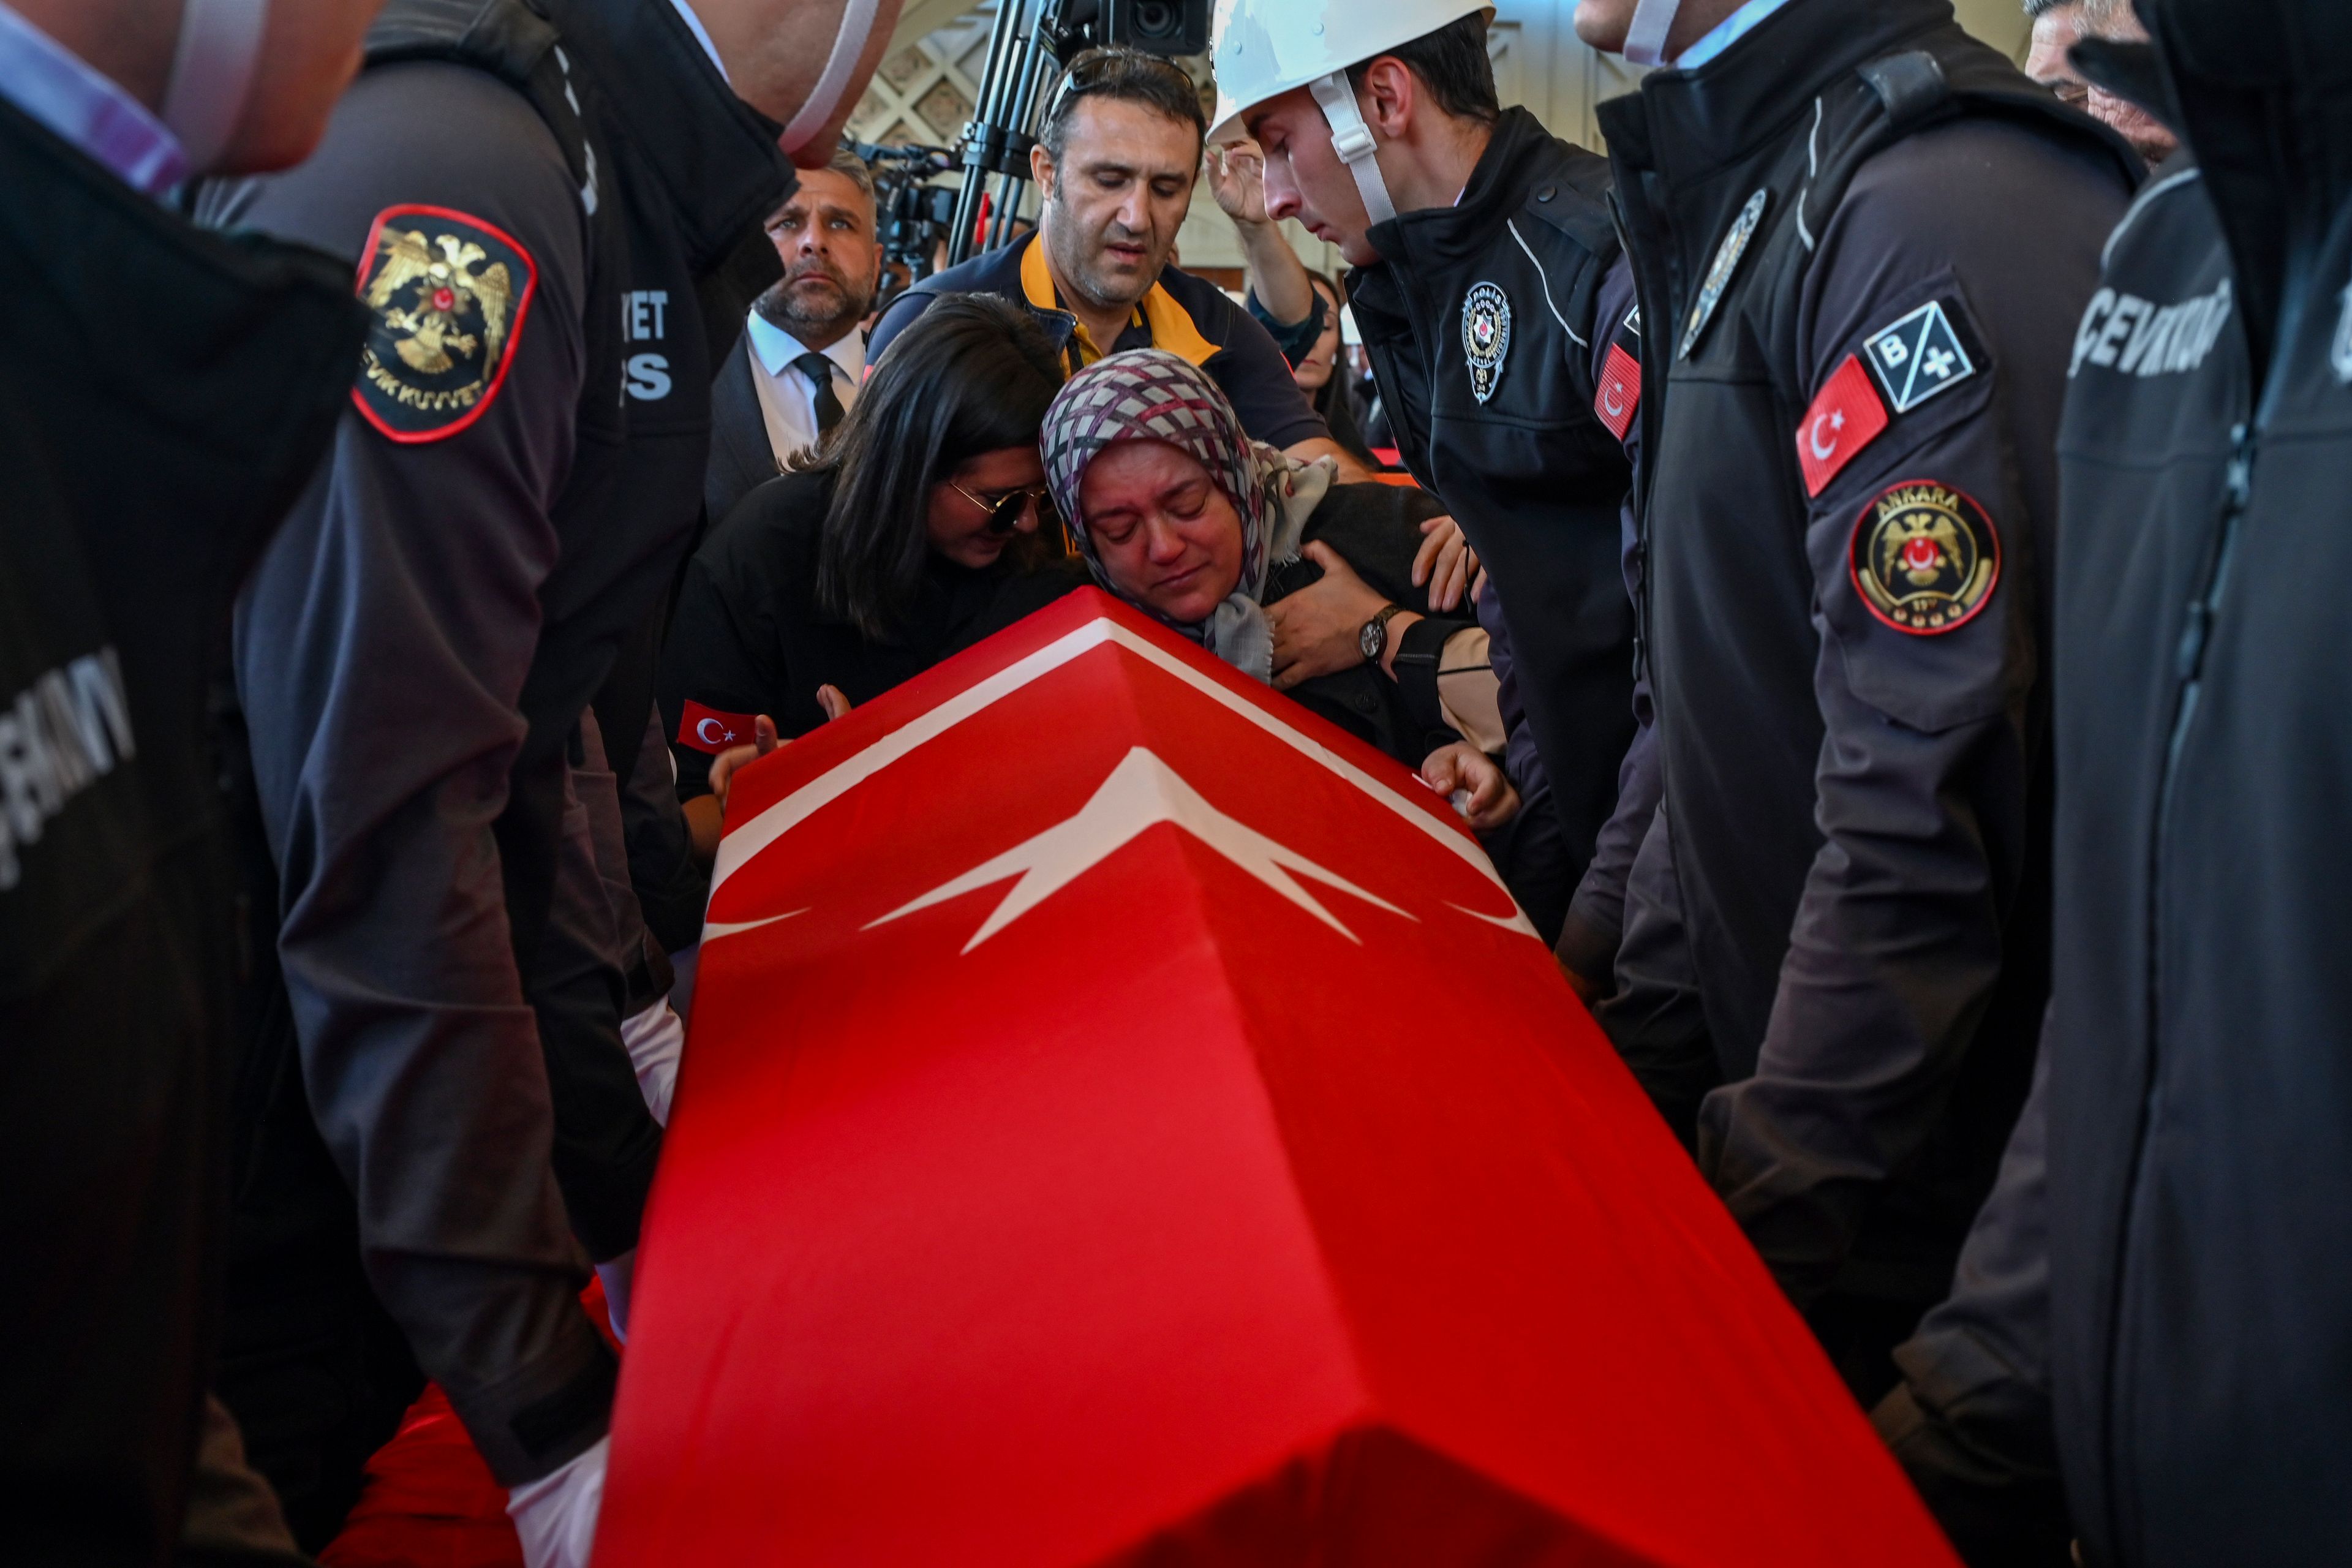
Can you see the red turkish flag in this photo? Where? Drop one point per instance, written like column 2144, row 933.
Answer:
column 1124, row 1116
column 1844, row 418
column 711, row 730
column 1620, row 398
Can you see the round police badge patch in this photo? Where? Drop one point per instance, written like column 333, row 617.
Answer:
column 449, row 294
column 1925, row 557
column 1485, row 337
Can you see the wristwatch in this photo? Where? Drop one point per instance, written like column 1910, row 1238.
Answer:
column 1373, row 640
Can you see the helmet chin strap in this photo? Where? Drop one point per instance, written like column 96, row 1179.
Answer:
column 1352, row 140
column 213, row 71
column 1645, row 40
column 832, row 86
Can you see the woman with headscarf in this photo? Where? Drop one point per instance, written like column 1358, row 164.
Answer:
column 1271, row 565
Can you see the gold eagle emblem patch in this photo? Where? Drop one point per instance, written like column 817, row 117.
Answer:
column 1925, row 558
column 449, row 294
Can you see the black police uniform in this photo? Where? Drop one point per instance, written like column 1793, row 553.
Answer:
column 553, row 212
column 2163, row 1272
column 1485, row 322
column 1856, row 356
column 164, row 395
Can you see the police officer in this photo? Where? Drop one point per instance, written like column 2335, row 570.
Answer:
column 2153, row 1317
column 1504, row 343
column 162, row 397
column 553, row 209
column 1835, row 955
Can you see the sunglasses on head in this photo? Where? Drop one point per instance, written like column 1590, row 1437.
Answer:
column 1094, row 72
column 1005, row 511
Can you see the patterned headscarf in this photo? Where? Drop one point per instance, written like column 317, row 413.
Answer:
column 1150, row 395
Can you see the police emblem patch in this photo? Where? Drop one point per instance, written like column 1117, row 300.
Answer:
column 1918, row 357
column 1719, row 275
column 1485, row 337
column 1925, row 558
column 449, row 295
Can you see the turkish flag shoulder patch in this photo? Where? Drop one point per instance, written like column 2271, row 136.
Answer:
column 448, row 295
column 1620, row 398
column 1847, row 416
column 709, row 730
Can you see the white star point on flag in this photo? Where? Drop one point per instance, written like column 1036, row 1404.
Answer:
column 1142, row 792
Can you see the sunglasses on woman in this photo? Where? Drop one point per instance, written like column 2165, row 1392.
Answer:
column 1005, row 511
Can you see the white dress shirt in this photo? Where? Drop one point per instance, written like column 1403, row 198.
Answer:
column 52, row 84
column 787, row 397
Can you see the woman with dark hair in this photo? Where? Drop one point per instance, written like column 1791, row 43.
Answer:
column 913, row 533
column 1323, row 375
column 1262, row 559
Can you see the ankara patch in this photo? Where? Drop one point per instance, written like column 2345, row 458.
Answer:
column 449, row 294
column 1925, row 558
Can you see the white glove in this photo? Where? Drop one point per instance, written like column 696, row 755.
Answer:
column 656, row 1038
column 556, row 1514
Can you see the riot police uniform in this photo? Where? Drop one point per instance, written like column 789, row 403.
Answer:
column 1836, row 927
column 2159, row 1291
column 164, row 394
column 1490, row 325
column 553, row 209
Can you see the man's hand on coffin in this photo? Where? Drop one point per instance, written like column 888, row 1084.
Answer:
column 1477, row 784
column 1318, row 630
column 555, row 1516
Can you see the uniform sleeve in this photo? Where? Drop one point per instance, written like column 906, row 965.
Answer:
column 1596, row 912
column 1256, row 380
column 1971, row 1422
column 1938, row 344
column 1655, row 1015
column 380, row 652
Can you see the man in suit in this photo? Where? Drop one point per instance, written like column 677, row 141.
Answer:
column 796, row 369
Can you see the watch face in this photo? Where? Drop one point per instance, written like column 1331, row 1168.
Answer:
column 1372, row 639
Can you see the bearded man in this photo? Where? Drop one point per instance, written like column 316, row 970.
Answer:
column 796, row 369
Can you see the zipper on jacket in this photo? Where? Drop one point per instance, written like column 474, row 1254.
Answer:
column 2189, row 673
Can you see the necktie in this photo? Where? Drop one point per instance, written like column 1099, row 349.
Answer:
column 819, row 369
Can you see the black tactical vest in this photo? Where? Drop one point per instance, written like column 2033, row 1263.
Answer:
column 164, row 396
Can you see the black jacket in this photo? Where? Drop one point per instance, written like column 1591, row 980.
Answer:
column 742, row 459
column 509, row 499
column 1533, row 476
column 749, row 637
column 148, row 455
column 1856, row 358
column 2196, row 1342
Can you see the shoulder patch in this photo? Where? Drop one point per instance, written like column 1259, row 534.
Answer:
column 449, row 295
column 1485, row 337
column 1620, row 394
column 1918, row 357
column 1925, row 557
column 1846, row 417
